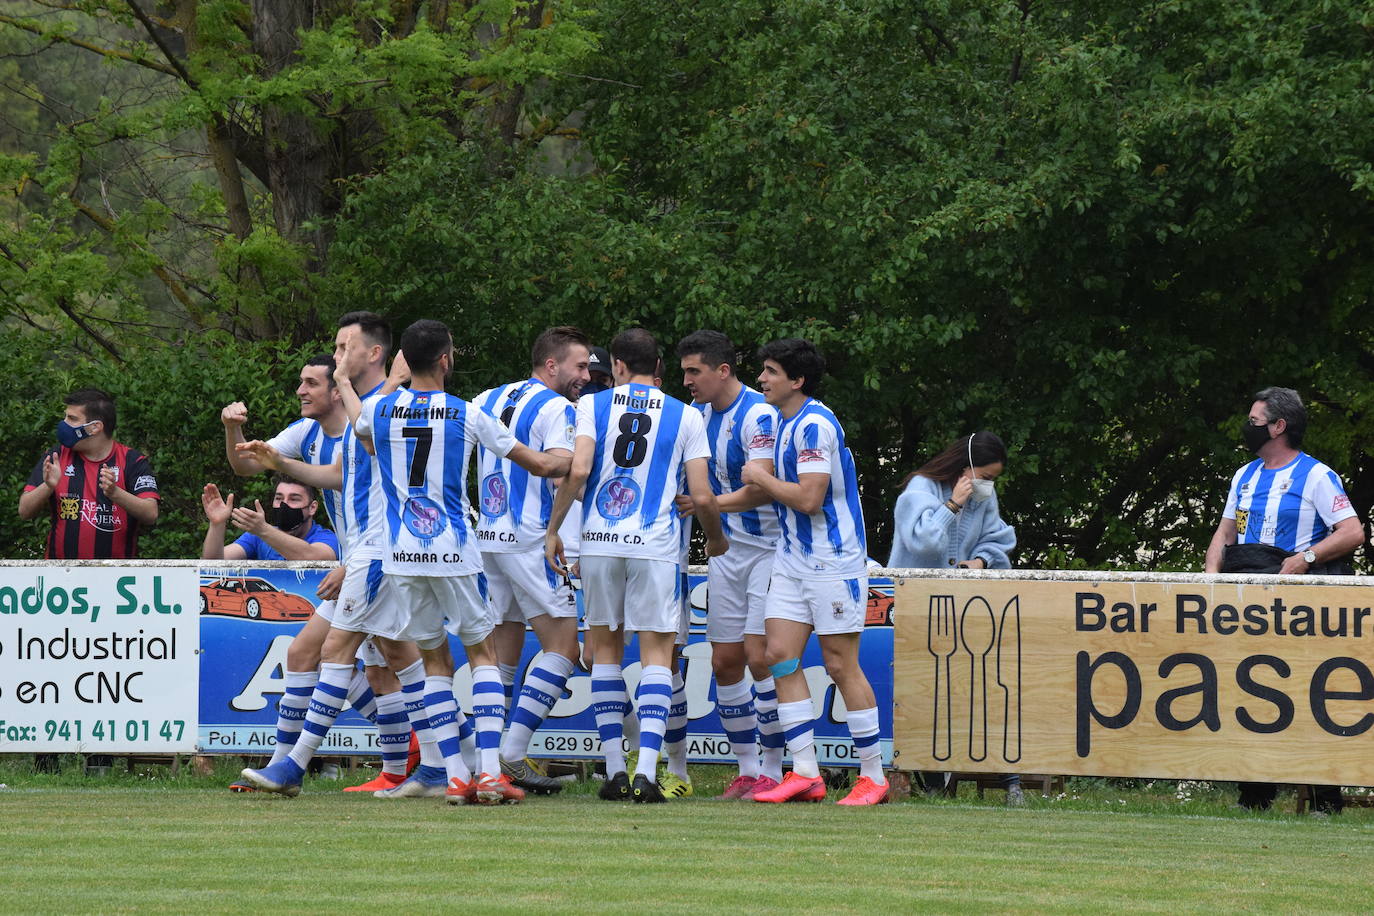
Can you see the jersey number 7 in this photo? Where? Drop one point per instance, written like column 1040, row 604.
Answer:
column 419, row 457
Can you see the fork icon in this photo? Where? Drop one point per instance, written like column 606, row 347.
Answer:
column 942, row 642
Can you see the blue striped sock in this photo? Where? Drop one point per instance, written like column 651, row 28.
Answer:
column 653, row 698
column 608, row 703
column 393, row 732
column 770, row 729
column 863, row 728
column 797, row 721
column 488, row 714
column 542, row 689
column 675, row 738
column 325, row 704
column 412, row 679
column 361, row 697
column 735, row 706
column 507, row 682
column 291, row 710
column 442, row 710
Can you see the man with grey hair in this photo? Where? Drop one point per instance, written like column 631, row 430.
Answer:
column 1286, row 513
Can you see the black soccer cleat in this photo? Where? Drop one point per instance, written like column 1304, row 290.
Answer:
column 646, row 791
column 523, row 774
column 616, row 788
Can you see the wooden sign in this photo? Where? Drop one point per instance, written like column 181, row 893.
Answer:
column 1115, row 678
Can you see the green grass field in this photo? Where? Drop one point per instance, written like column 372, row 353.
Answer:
column 150, row 842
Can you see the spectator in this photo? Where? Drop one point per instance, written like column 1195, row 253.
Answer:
column 291, row 534
column 599, row 372
column 1312, row 529
column 947, row 516
column 98, row 492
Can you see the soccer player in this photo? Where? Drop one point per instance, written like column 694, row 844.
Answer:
column 316, row 439
column 740, row 429
column 820, row 576
column 361, row 346
column 423, row 439
column 631, row 442
column 514, row 510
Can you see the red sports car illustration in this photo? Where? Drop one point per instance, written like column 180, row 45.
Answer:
column 252, row 597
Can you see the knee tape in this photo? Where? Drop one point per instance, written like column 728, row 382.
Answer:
column 782, row 669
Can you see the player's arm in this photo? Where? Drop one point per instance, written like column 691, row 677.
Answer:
column 805, row 496
column 323, row 476
column 580, row 469
column 707, row 512
column 233, row 417
column 552, row 463
column 254, row 521
column 749, row 496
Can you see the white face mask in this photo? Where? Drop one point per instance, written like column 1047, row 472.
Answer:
column 982, row 489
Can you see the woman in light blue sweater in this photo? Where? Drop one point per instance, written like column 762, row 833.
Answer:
column 947, row 514
column 947, row 517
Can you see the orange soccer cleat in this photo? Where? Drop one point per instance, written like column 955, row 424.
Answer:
column 380, row 781
column 793, row 788
column 866, row 792
column 496, row 790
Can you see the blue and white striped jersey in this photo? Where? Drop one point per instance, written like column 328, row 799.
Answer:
column 830, row 544
column 642, row 438
column 1291, row 508
column 364, row 506
column 424, row 441
column 743, row 432
column 305, row 440
column 515, row 505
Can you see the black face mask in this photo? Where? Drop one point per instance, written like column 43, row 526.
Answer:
column 1254, row 436
column 287, row 518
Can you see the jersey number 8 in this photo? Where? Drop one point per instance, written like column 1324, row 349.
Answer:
column 632, row 445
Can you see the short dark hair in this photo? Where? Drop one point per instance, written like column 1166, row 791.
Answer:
column 1285, row 404
column 424, row 342
column 637, row 349
column 554, row 342
column 799, row 359
column 375, row 329
column 325, row 360
column 96, row 404
column 714, row 348
column 279, row 479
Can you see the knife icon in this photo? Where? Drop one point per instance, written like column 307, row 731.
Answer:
column 1009, row 677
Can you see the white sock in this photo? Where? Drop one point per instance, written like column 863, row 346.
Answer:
column 675, row 738
column 412, row 680
column 796, row 720
column 488, row 714
column 325, row 703
column 442, row 709
column 393, row 732
column 542, row 689
column 863, row 728
column 291, row 710
column 507, row 683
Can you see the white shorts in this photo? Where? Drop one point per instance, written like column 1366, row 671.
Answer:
column 637, row 594
column 435, row 604
column 368, row 653
column 523, row 586
column 830, row 606
column 684, row 588
column 737, row 592
column 367, row 601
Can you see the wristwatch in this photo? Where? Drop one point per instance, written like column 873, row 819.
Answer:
column 1309, row 556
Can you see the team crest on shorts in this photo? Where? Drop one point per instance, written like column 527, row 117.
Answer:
column 618, row 498
column 495, row 496
column 838, row 607
column 423, row 517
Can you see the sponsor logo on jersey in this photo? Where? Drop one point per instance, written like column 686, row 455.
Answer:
column 618, row 498
column 761, row 440
column 810, row 454
column 69, row 508
column 495, row 498
column 69, row 471
column 146, row 482
column 423, row 517
column 1340, row 502
column 99, row 517
column 1242, row 518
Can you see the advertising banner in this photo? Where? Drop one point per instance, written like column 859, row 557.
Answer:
column 250, row 617
column 1170, row 680
column 98, row 660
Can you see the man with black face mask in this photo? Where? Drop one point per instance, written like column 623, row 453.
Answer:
column 1286, row 513
column 285, row 532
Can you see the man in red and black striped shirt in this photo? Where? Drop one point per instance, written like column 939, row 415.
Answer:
column 99, row 492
